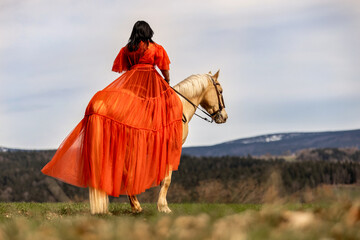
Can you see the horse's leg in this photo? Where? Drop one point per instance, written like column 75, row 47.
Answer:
column 99, row 201
column 135, row 205
column 162, row 203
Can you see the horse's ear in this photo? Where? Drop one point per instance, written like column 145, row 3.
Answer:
column 216, row 74
column 210, row 73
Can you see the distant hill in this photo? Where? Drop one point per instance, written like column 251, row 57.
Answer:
column 279, row 144
column 274, row 144
column 5, row 149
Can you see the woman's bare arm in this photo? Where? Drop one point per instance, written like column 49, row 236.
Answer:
column 166, row 75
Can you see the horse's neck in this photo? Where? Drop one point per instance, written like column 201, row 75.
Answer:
column 193, row 89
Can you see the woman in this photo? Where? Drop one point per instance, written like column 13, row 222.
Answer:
column 131, row 133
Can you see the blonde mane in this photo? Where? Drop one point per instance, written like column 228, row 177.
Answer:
column 194, row 85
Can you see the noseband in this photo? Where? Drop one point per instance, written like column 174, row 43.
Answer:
column 220, row 102
column 220, row 98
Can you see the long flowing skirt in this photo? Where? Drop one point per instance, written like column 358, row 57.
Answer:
column 130, row 136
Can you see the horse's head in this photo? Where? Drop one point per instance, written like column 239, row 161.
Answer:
column 213, row 101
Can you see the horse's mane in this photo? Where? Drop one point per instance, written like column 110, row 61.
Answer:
column 193, row 85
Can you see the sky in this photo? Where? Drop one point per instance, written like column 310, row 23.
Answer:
column 285, row 66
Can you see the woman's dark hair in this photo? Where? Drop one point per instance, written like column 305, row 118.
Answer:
column 141, row 32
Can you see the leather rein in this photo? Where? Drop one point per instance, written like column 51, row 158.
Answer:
column 221, row 105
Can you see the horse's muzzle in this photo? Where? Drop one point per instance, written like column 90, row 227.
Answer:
column 221, row 117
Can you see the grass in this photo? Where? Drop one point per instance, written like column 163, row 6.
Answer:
column 330, row 220
column 32, row 210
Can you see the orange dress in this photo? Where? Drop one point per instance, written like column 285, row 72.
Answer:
column 131, row 133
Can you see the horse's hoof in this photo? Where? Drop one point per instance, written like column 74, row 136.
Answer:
column 137, row 210
column 164, row 209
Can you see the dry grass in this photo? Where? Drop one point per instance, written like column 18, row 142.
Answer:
column 332, row 212
column 336, row 220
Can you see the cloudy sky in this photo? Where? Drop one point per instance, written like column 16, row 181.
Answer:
column 284, row 65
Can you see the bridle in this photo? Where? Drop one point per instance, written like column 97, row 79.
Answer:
column 220, row 102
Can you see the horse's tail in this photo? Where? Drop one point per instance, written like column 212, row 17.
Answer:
column 99, row 201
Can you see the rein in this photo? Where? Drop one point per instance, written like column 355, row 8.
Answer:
column 221, row 106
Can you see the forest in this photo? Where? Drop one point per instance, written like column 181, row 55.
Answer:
column 226, row 179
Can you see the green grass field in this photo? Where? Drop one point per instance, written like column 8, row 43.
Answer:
column 336, row 220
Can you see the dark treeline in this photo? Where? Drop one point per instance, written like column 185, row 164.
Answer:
column 22, row 180
column 329, row 154
column 294, row 175
column 244, row 179
column 199, row 179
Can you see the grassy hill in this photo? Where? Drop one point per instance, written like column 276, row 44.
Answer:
column 199, row 179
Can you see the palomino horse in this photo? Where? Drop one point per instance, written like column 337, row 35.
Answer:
column 201, row 89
